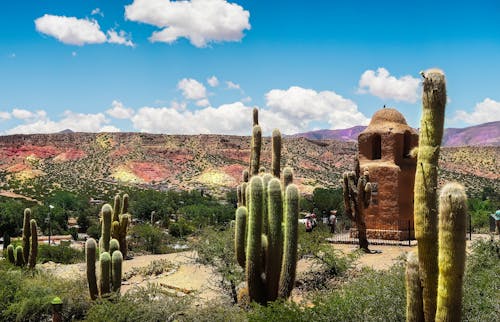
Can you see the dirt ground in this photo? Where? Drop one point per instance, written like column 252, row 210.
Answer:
column 188, row 277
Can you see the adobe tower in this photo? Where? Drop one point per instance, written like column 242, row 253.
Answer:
column 384, row 148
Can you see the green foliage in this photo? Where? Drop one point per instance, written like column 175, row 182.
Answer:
column 208, row 214
column 480, row 211
column 11, row 220
column 150, row 303
column 59, row 254
column 182, row 228
column 149, row 238
column 327, row 199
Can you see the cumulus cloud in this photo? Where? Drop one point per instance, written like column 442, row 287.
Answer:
column 381, row 84
column 77, row 122
column 303, row 106
column 119, row 111
column 213, row 81
column 23, row 114
column 485, row 111
column 71, row 30
column 203, row 102
column 231, row 85
column 227, row 119
column 109, row 128
column 4, row 116
column 120, row 38
column 75, row 31
column 200, row 21
column 192, row 89
column 97, row 11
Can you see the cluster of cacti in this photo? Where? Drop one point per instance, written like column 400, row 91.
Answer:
column 113, row 224
column 266, row 228
column 441, row 248
column 28, row 252
column 357, row 191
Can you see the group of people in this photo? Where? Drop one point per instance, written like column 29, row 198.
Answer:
column 311, row 221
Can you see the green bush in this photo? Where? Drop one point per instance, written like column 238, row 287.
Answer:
column 60, row 254
column 148, row 238
column 181, row 228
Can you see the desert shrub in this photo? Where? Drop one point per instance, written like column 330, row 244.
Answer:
column 27, row 296
column 208, row 214
column 481, row 282
column 150, row 303
column 480, row 211
column 215, row 311
column 181, row 228
column 60, row 254
column 148, row 238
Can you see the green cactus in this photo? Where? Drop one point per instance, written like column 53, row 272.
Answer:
column 113, row 245
column 107, row 214
column 90, row 257
column 26, row 234
column 276, row 155
column 290, row 235
column 414, row 305
column 116, row 208
column 33, row 244
column 116, row 269
column 265, row 180
column 255, row 115
column 238, row 195
column 357, row 197
column 122, row 236
column 10, row 254
column 275, row 238
column 20, row 256
column 253, row 263
column 125, row 200
column 451, row 254
column 245, row 176
column 255, row 150
column 425, row 197
column 105, row 276
column 239, row 235
column 287, row 176
column 262, row 170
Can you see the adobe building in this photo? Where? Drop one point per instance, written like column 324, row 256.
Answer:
column 384, row 148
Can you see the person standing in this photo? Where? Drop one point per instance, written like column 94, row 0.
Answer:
column 332, row 221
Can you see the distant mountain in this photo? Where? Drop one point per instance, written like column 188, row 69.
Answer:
column 487, row 134
column 67, row 131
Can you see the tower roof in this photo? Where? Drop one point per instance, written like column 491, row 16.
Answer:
column 388, row 119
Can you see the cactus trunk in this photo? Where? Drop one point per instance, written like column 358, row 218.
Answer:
column 276, row 156
column 287, row 177
column 20, row 256
column 10, row 254
column 275, row 238
column 90, row 258
column 414, row 305
column 33, row 245
column 425, row 197
column 107, row 213
column 105, row 276
column 116, row 269
column 26, row 234
column 451, row 256
column 239, row 235
column 255, row 152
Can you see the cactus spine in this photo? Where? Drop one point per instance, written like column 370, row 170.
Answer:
column 116, row 270
column 33, row 244
column 10, row 254
column 414, row 305
column 425, row 197
column 26, row 234
column 90, row 258
column 451, row 255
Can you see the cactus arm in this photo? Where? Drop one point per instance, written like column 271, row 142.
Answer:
column 414, row 305
column 275, row 238
column 287, row 177
column 116, row 269
column 33, row 245
column 90, row 257
column 116, row 208
column 255, row 116
column 115, row 229
column 125, row 201
column 106, row 226
column 245, row 175
column 239, row 235
column 425, row 197
column 26, row 234
column 105, row 276
column 254, row 241
column 122, row 236
column 238, row 195
column 276, row 155
column 265, row 222
column 451, row 255
column 20, row 256
column 10, row 254
column 256, row 147
column 289, row 264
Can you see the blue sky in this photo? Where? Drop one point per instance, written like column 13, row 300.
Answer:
column 199, row 66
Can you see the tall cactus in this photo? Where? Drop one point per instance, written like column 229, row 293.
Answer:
column 275, row 238
column 116, row 270
column 287, row 176
column 357, row 197
column 414, row 305
column 425, row 196
column 256, row 146
column 255, row 116
column 10, row 254
column 33, row 253
column 276, row 156
column 20, row 256
column 121, row 220
column 105, row 273
column 107, row 215
column 26, row 234
column 90, row 258
column 451, row 254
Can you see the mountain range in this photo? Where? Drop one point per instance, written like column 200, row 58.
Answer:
column 487, row 134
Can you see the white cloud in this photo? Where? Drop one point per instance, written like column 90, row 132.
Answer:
column 200, row 21
column 246, row 99
column 203, row 102
column 119, row 111
column 379, row 83
column 97, row 11
column 485, row 111
column 71, row 30
column 76, row 122
column 302, row 106
column 231, row 85
column 109, row 128
column 213, row 81
column 120, row 38
column 192, row 89
column 23, row 114
column 4, row 116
